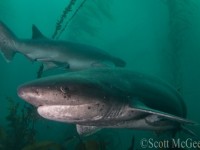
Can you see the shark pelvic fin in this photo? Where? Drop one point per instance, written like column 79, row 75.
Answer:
column 36, row 33
column 52, row 65
column 86, row 130
column 49, row 65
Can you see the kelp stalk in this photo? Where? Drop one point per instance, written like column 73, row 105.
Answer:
column 59, row 25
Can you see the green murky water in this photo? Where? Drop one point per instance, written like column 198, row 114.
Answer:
column 156, row 37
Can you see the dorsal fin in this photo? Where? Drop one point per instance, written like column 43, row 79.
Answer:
column 36, row 34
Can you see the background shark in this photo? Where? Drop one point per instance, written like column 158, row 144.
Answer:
column 111, row 98
column 53, row 53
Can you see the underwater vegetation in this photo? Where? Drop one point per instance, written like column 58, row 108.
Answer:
column 180, row 24
column 20, row 130
column 89, row 20
column 82, row 17
column 99, row 141
column 45, row 145
column 180, row 14
column 20, row 133
column 59, row 25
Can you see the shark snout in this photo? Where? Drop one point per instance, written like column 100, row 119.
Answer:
column 22, row 92
column 29, row 94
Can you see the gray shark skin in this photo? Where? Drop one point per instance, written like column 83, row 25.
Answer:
column 107, row 98
column 54, row 53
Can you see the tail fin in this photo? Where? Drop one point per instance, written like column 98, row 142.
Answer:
column 7, row 42
column 119, row 62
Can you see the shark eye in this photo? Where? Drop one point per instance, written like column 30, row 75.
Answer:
column 64, row 89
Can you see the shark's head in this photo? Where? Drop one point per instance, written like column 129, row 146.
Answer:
column 61, row 90
column 65, row 97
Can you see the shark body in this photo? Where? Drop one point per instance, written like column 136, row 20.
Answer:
column 54, row 53
column 107, row 98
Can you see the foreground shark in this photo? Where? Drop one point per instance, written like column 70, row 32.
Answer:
column 53, row 53
column 107, row 98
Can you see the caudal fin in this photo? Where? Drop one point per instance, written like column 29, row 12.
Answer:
column 7, row 42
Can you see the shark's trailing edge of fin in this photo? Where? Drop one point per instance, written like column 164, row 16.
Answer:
column 7, row 42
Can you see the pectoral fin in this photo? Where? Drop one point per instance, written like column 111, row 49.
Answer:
column 86, row 130
column 156, row 116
